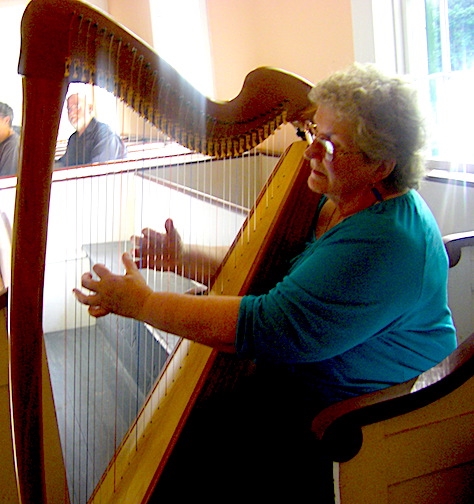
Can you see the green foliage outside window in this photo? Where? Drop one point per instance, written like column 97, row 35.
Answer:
column 459, row 45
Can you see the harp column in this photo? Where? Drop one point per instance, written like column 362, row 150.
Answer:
column 30, row 398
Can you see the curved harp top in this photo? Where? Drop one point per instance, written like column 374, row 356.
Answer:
column 89, row 47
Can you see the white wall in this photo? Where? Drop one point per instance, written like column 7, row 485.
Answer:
column 453, row 206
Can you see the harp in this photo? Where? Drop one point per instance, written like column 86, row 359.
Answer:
column 89, row 47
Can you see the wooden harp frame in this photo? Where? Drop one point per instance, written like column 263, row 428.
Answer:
column 88, row 46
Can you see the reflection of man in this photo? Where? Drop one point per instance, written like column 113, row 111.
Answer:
column 9, row 142
column 93, row 141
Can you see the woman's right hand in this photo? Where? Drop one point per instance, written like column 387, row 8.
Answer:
column 156, row 250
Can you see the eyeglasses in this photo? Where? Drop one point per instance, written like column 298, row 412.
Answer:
column 311, row 135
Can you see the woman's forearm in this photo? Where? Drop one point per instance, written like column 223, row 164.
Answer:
column 210, row 320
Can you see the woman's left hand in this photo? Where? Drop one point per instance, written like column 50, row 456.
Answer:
column 123, row 295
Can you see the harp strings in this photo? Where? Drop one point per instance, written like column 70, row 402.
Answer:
column 107, row 204
column 208, row 200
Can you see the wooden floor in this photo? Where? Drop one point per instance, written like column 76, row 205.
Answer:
column 100, row 377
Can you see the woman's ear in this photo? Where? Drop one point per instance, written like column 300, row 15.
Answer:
column 384, row 169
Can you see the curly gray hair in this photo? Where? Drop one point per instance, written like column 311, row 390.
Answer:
column 385, row 118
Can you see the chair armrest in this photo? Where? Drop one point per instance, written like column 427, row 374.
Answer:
column 339, row 427
column 455, row 242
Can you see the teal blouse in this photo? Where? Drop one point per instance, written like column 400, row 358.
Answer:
column 362, row 308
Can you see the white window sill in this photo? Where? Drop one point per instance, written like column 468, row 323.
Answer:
column 445, row 171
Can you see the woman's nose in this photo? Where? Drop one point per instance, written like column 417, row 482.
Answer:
column 314, row 150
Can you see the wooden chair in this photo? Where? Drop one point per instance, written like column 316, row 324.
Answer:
column 412, row 443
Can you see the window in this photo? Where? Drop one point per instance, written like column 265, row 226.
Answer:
column 433, row 42
column 447, row 79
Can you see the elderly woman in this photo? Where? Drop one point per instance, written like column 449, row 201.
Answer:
column 363, row 307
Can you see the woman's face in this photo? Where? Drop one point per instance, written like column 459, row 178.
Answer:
column 346, row 171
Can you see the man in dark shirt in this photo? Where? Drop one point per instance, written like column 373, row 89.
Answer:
column 93, row 141
column 9, row 142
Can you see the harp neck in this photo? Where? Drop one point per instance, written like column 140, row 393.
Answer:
column 89, row 47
